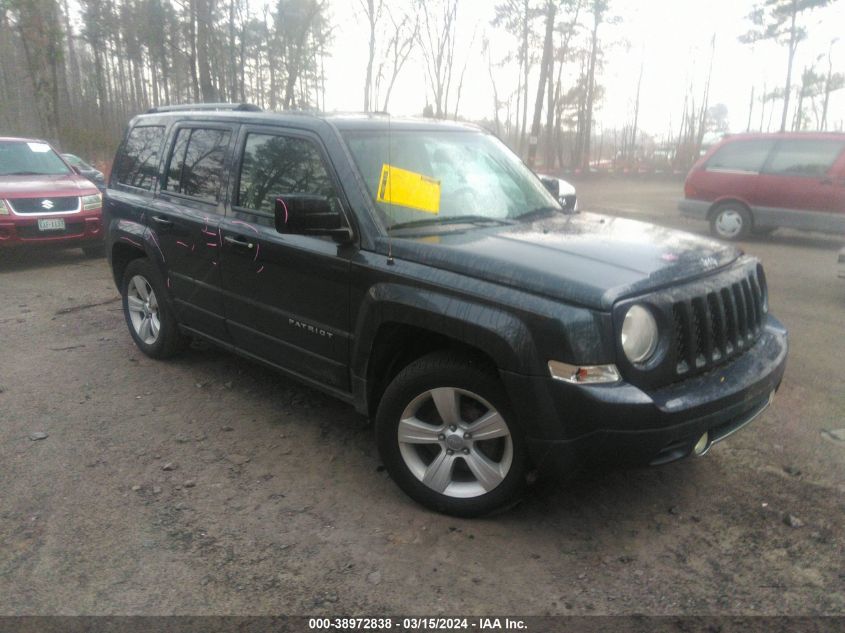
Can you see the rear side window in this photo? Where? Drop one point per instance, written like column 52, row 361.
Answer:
column 804, row 157
column 196, row 164
column 746, row 156
column 277, row 165
column 137, row 164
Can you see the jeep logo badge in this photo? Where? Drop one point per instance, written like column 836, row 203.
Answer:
column 47, row 204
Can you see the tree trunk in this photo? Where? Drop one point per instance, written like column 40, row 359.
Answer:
column 793, row 44
column 750, row 109
column 591, row 86
column 525, row 78
column 192, row 49
column 548, row 45
column 368, row 84
column 203, row 18
column 637, row 111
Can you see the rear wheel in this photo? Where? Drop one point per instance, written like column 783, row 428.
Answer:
column 148, row 315
column 730, row 221
column 448, row 437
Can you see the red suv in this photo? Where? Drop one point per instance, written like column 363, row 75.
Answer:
column 43, row 200
column 760, row 182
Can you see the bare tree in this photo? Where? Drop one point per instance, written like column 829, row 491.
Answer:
column 404, row 35
column 372, row 11
column 41, row 38
column 598, row 9
column 436, row 37
column 548, row 47
column 777, row 20
column 833, row 82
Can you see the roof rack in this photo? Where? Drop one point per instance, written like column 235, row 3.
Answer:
column 241, row 107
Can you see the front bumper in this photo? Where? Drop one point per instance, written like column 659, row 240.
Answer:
column 569, row 424
column 81, row 229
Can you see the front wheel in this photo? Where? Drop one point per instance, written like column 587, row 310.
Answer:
column 448, row 437
column 148, row 315
column 730, row 221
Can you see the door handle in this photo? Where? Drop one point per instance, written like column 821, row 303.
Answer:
column 238, row 241
column 162, row 222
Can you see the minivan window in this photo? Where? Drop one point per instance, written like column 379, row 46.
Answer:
column 196, row 164
column 277, row 165
column 804, row 157
column 137, row 164
column 747, row 156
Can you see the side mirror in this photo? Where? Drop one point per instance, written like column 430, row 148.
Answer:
column 76, row 170
column 304, row 214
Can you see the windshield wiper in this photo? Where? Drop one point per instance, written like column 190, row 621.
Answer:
column 453, row 219
column 537, row 212
column 27, row 173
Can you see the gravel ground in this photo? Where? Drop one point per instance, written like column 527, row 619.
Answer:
column 210, row 485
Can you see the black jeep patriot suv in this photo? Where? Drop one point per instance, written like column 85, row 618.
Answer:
column 419, row 271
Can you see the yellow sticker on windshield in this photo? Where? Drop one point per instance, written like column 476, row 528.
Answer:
column 408, row 189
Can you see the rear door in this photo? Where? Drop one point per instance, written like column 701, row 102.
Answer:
column 799, row 176
column 185, row 219
column 287, row 296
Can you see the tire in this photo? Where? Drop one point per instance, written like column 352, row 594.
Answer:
column 94, row 252
column 150, row 319
column 730, row 221
column 444, row 467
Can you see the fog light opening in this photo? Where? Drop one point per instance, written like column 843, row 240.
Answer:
column 702, row 445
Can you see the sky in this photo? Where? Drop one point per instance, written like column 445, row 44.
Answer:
column 671, row 37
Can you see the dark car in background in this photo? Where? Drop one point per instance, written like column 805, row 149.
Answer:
column 43, row 201
column 561, row 189
column 756, row 183
column 89, row 171
column 419, row 271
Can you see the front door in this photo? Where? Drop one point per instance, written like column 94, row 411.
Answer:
column 286, row 295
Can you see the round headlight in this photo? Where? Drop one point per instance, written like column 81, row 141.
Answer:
column 639, row 334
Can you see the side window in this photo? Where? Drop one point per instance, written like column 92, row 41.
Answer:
column 196, row 164
column 804, row 157
column 277, row 165
column 747, row 156
column 137, row 163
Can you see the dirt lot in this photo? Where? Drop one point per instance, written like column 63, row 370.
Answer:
column 211, row 485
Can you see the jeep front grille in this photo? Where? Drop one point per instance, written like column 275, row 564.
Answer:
column 713, row 327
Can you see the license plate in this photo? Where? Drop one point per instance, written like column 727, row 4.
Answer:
column 51, row 224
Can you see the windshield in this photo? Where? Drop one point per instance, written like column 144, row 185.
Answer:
column 21, row 158
column 438, row 177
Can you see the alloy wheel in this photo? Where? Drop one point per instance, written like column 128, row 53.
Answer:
column 455, row 442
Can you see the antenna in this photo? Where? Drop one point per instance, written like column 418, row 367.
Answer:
column 390, row 261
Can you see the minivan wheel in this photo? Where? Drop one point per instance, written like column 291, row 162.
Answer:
column 448, row 438
column 730, row 221
column 148, row 315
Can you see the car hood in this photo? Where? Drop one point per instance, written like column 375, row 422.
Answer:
column 588, row 259
column 12, row 187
